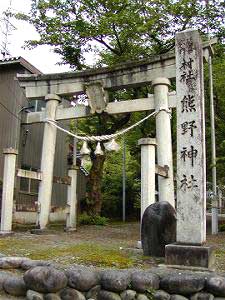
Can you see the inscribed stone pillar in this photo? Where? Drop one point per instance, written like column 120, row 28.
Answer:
column 8, row 189
column 191, row 176
column 47, row 161
column 147, row 172
column 164, row 139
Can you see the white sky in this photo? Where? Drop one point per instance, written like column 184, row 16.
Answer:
column 41, row 57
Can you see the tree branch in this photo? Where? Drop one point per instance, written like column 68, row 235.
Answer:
column 117, row 38
column 101, row 41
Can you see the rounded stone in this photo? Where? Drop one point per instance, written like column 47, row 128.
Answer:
column 115, row 281
column 93, row 292
column 184, row 284
column 45, row 279
column 12, row 262
column 32, row 295
column 144, row 280
column 161, row 295
column 82, row 279
column 3, row 276
column 15, row 286
column 106, row 295
column 128, row 295
column 158, row 228
column 72, row 294
column 178, row 297
column 141, row 297
column 52, row 297
column 216, row 286
column 28, row 264
column 202, row 296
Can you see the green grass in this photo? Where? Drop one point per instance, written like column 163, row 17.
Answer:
column 84, row 253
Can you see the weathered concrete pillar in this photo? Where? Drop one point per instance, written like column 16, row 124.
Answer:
column 8, row 189
column 147, row 172
column 47, row 161
column 71, row 218
column 163, row 138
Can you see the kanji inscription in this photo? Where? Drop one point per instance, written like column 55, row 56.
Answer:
column 190, row 139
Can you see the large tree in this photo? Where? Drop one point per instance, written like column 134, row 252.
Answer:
column 116, row 31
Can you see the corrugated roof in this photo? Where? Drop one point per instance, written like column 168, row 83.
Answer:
column 23, row 62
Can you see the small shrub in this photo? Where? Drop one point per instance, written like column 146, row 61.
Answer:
column 222, row 227
column 85, row 219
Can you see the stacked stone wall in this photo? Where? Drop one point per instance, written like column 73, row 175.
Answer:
column 41, row 280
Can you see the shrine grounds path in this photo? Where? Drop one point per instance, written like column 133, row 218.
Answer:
column 113, row 245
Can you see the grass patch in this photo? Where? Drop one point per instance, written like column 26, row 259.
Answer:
column 85, row 253
column 220, row 253
column 88, row 254
column 15, row 247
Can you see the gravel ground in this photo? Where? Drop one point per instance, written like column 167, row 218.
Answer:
column 102, row 246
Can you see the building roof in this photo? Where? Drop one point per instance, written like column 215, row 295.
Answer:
column 21, row 61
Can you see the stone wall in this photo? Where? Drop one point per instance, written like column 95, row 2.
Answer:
column 35, row 280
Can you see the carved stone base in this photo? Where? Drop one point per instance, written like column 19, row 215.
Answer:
column 190, row 256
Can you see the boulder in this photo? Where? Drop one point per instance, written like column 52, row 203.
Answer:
column 3, row 276
column 216, row 286
column 52, row 297
column 161, row 295
column 45, row 279
column 202, row 296
column 12, row 262
column 32, row 295
column 82, row 278
column 93, row 292
column 158, row 228
column 28, row 264
column 128, row 295
column 115, row 281
column 142, row 297
column 178, row 297
column 71, row 294
column 15, row 286
column 106, row 295
column 184, row 284
column 144, row 280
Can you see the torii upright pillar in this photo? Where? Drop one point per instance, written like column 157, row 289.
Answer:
column 47, row 162
column 163, row 138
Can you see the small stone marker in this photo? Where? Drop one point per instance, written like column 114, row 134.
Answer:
column 191, row 174
column 158, row 228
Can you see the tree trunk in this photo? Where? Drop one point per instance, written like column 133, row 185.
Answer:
column 94, row 201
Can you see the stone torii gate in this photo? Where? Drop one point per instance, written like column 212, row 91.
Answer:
column 186, row 67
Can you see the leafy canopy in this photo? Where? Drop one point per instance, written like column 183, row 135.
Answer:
column 118, row 30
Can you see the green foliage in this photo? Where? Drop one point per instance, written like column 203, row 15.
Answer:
column 85, row 219
column 118, row 30
column 222, row 227
column 150, row 293
column 219, row 107
column 112, row 184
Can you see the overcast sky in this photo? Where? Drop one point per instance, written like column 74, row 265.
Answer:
column 41, row 57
